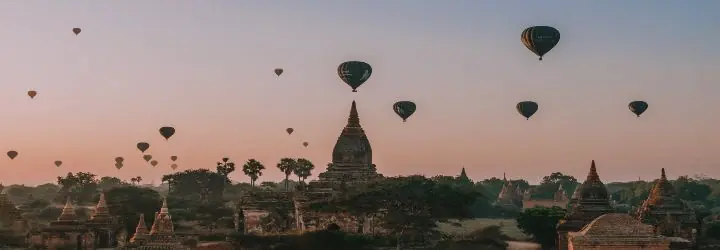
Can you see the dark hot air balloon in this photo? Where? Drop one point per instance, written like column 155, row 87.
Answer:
column 147, row 157
column 527, row 108
column 173, row 158
column 305, row 144
column 142, row 146
column 174, row 166
column 279, row 71
column 167, row 132
column 12, row 154
column 58, row 163
column 119, row 159
column 404, row 109
column 118, row 165
column 289, row 130
column 354, row 73
column 638, row 107
column 540, row 39
column 32, row 93
column 154, row 163
column 77, row 31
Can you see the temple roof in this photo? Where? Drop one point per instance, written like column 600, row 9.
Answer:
column 101, row 212
column 616, row 229
column 662, row 200
column 592, row 189
column 141, row 231
column 589, row 201
column 68, row 212
column 352, row 154
column 163, row 221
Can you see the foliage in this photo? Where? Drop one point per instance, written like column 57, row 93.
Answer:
column 200, row 185
column 128, row 202
column 253, row 169
column 540, row 223
column 321, row 240
column 303, row 169
column 287, row 166
column 81, row 187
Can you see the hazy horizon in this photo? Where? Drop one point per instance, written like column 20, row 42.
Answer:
column 206, row 68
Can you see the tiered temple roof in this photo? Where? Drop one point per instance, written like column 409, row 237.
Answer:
column 617, row 231
column 67, row 221
column 590, row 200
column 141, row 231
column 163, row 224
column 101, row 214
column 162, row 232
column 667, row 212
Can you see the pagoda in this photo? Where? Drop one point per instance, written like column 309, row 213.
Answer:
column 141, row 232
column 590, row 200
column 510, row 196
column 351, row 166
column 67, row 231
column 103, row 225
column 670, row 215
column 162, row 232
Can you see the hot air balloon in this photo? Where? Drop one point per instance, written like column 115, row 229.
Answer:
column 147, row 157
column 638, row 107
column 225, row 159
column 76, row 31
column 540, row 39
column 404, row 109
column 12, row 154
column 289, row 130
column 174, row 166
column 118, row 165
column 167, row 132
column 173, row 158
column 142, row 146
column 32, row 93
column 527, row 108
column 354, row 73
column 305, row 144
column 58, row 163
column 119, row 159
column 154, row 163
column 279, row 71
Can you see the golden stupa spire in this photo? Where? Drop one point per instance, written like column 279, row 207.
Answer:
column 163, row 221
column 101, row 209
column 141, row 231
column 68, row 212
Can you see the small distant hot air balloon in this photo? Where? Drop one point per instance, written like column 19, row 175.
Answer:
column 404, row 109
column 638, row 107
column 527, row 108
column 142, row 146
column 354, row 73
column 279, row 71
column 289, row 130
column 305, row 144
column 12, row 154
column 173, row 158
column 174, row 166
column 167, row 132
column 32, row 94
column 154, row 163
column 77, row 31
column 118, row 165
column 58, row 163
column 540, row 39
column 119, row 159
column 147, row 157
column 225, row 159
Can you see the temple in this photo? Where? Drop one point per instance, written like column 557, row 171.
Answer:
column 670, row 215
column 590, row 201
column 510, row 196
column 559, row 199
column 617, row 231
column 162, row 233
column 67, row 232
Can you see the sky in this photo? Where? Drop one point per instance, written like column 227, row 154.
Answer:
column 206, row 68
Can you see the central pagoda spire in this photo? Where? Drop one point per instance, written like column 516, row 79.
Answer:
column 68, row 211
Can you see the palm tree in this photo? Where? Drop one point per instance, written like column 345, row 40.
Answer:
column 253, row 169
column 287, row 166
column 304, row 169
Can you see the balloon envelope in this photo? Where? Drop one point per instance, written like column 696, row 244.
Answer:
column 174, row 166
column 142, row 146
column 58, row 163
column 289, row 130
column 147, row 157
column 118, row 165
column 540, row 39
column 12, row 154
column 153, row 163
column 354, row 73
column 77, row 31
column 32, row 93
column 404, row 109
column 119, row 159
column 173, row 158
column 278, row 71
column 305, row 144
column 638, row 107
column 527, row 108
column 167, row 132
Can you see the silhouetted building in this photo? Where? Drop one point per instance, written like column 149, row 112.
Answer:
column 617, row 232
column 560, row 199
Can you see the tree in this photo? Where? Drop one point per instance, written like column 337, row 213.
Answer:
column 303, row 169
column 81, row 187
column 107, row 182
column 550, row 184
column 691, row 190
column 196, row 184
column 253, row 169
column 225, row 168
column 540, row 222
column 128, row 202
column 287, row 166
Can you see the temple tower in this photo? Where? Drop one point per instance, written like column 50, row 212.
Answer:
column 102, row 224
column 68, row 231
column 590, row 200
column 352, row 155
column 141, row 231
column 670, row 215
